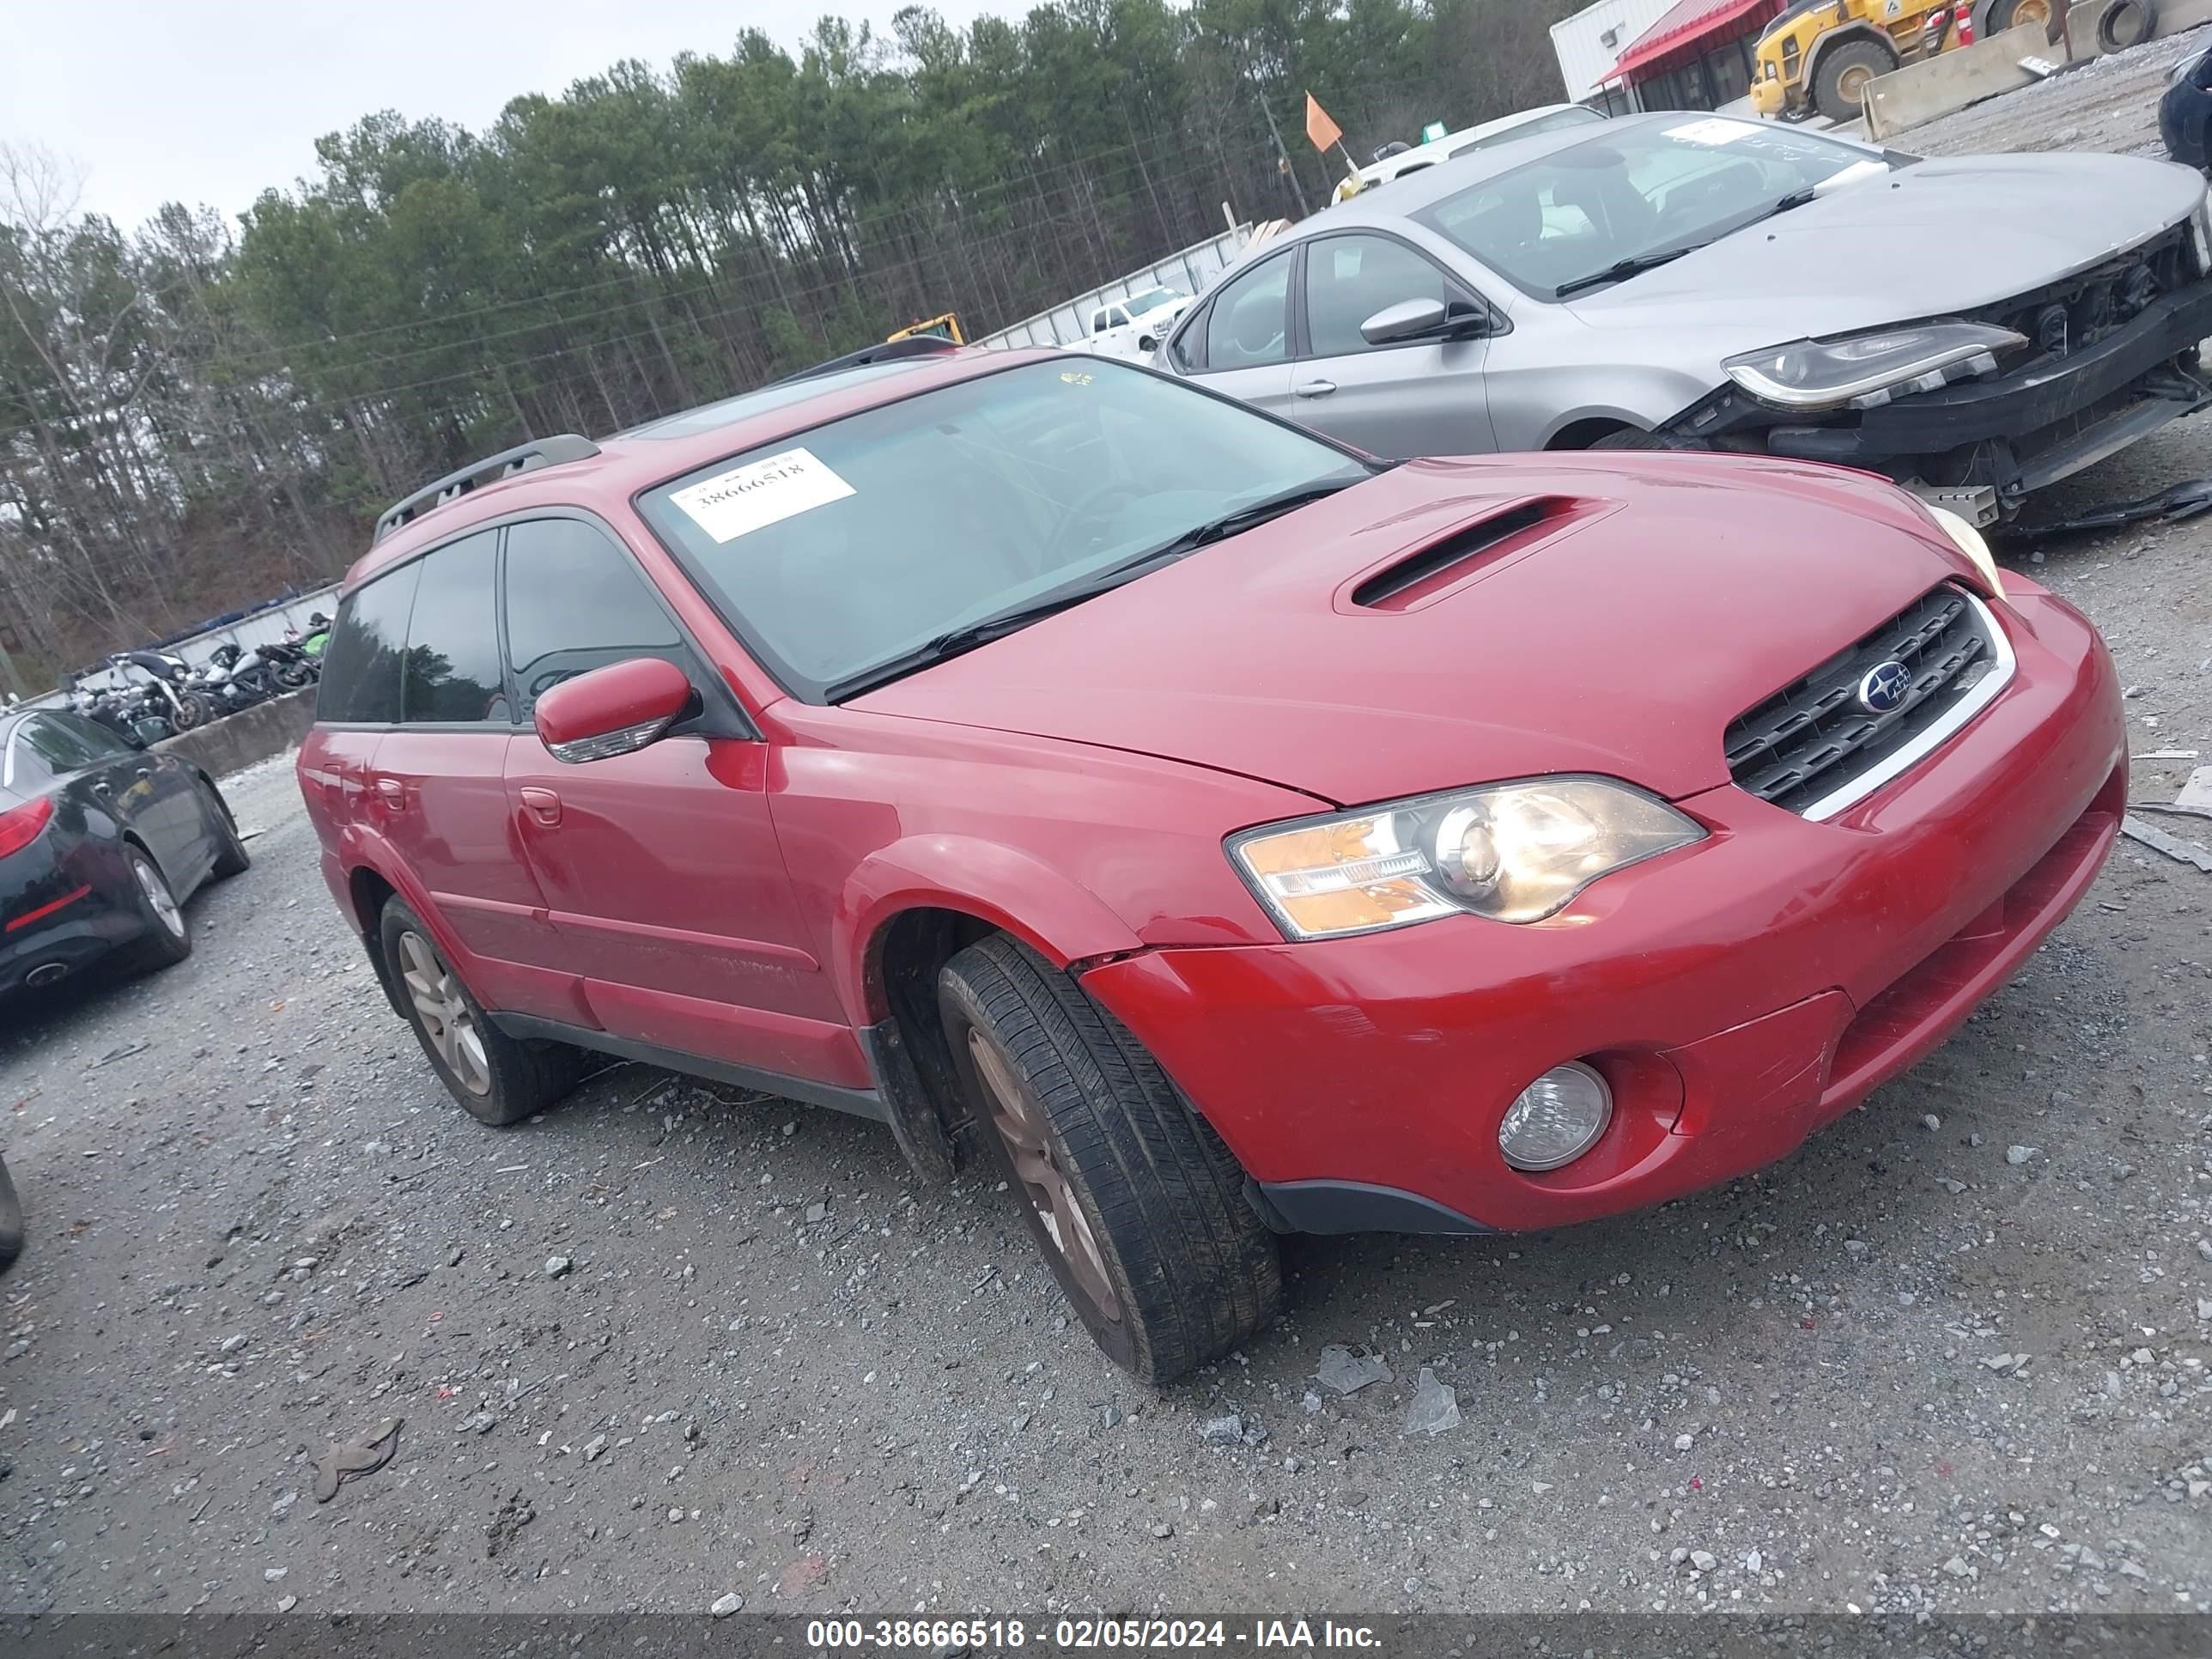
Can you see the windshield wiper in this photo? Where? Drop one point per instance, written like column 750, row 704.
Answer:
column 966, row 637
column 1248, row 517
column 1795, row 199
column 1621, row 269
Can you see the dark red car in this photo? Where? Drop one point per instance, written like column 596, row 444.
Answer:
column 1233, row 834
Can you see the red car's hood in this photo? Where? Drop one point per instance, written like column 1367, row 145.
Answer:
column 1673, row 592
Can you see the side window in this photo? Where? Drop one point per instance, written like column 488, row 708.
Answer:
column 1098, row 322
column 60, row 750
column 102, row 743
column 1247, row 325
column 360, row 666
column 575, row 601
column 452, row 643
column 1349, row 278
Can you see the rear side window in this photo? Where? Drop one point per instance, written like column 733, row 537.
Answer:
column 360, row 668
column 45, row 751
column 453, row 642
column 576, row 601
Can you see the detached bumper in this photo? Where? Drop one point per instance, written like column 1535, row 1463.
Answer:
column 1737, row 994
column 2040, row 423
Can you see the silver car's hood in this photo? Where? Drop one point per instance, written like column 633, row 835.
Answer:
column 1935, row 237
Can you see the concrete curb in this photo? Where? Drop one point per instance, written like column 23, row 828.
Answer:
column 250, row 736
column 1965, row 75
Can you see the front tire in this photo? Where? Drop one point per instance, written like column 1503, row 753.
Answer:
column 498, row 1079
column 1839, row 90
column 231, row 857
column 1138, row 1207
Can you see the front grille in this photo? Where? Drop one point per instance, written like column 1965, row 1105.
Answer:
column 1815, row 738
column 2078, row 310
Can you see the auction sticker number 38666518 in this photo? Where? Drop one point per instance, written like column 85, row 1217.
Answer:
column 760, row 493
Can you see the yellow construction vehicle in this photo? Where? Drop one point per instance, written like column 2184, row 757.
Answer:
column 1818, row 55
column 946, row 327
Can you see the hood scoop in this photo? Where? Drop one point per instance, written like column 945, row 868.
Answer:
column 1414, row 577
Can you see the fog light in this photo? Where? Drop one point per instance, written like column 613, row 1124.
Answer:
column 1556, row 1119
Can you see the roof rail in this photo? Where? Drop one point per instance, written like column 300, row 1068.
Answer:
column 914, row 346
column 523, row 458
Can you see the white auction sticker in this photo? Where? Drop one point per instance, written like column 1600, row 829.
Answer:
column 1712, row 131
column 759, row 494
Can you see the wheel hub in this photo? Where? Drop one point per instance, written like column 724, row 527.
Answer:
column 159, row 899
column 1020, row 1126
column 448, row 1022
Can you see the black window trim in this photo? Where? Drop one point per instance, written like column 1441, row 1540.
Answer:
column 741, row 630
column 1195, row 317
column 1496, row 324
column 721, row 713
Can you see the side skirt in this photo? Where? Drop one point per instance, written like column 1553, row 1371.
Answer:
column 859, row 1102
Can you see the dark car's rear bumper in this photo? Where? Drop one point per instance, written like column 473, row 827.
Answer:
column 60, row 914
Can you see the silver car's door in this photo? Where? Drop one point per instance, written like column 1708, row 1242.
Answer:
column 1411, row 397
column 1242, row 343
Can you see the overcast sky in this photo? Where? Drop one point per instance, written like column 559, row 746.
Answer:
column 212, row 103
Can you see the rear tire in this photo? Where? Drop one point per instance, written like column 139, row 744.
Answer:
column 295, row 675
column 167, row 939
column 1840, row 86
column 1138, row 1206
column 1627, row 438
column 193, row 710
column 498, row 1079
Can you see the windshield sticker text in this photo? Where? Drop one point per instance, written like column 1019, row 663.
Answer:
column 762, row 493
column 1713, row 131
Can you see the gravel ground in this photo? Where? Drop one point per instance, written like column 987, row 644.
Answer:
column 671, row 1344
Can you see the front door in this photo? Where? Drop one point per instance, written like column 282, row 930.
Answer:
column 1417, row 397
column 665, row 881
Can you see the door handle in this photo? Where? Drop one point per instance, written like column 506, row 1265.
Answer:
column 542, row 804
column 392, row 791
column 1316, row 388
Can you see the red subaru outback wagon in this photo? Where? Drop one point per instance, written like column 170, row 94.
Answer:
column 1227, row 833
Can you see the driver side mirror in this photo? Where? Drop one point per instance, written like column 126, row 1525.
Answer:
column 615, row 710
column 1420, row 319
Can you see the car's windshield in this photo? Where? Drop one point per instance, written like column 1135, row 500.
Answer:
column 1152, row 300
column 1632, row 190
column 851, row 545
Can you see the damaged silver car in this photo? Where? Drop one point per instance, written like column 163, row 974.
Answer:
column 1975, row 328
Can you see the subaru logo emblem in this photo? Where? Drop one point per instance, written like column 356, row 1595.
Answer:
column 1882, row 687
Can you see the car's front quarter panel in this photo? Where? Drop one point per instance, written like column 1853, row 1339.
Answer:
column 1082, row 852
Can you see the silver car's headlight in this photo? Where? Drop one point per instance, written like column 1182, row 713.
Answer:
column 1870, row 369
column 1512, row 852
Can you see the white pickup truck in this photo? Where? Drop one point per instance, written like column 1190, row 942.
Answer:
column 1133, row 328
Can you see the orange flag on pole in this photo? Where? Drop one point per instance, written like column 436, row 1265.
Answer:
column 1319, row 128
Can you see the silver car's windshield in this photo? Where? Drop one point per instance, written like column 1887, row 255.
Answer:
column 1596, row 210
column 840, row 551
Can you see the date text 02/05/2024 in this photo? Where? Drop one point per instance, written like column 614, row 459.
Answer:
column 990, row 1635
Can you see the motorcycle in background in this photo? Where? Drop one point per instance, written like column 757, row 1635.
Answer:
column 290, row 665
column 170, row 690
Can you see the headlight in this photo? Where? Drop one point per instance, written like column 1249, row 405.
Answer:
column 1808, row 375
column 1971, row 544
column 1513, row 852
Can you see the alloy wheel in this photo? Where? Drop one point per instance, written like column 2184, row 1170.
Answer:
column 159, row 899
column 447, row 1021
column 1020, row 1126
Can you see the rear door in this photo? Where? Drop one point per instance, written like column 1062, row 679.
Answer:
column 1242, row 345
column 662, row 870
column 1419, row 398
column 437, row 781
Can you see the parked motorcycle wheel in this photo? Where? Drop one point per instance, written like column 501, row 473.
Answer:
column 11, row 1220
column 295, row 676
column 193, row 710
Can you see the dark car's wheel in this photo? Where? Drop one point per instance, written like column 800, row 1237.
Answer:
column 1839, row 90
column 500, row 1079
column 165, row 937
column 231, row 857
column 11, row 1220
column 1138, row 1205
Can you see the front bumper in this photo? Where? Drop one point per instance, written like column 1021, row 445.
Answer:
column 1737, row 994
column 2014, row 433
